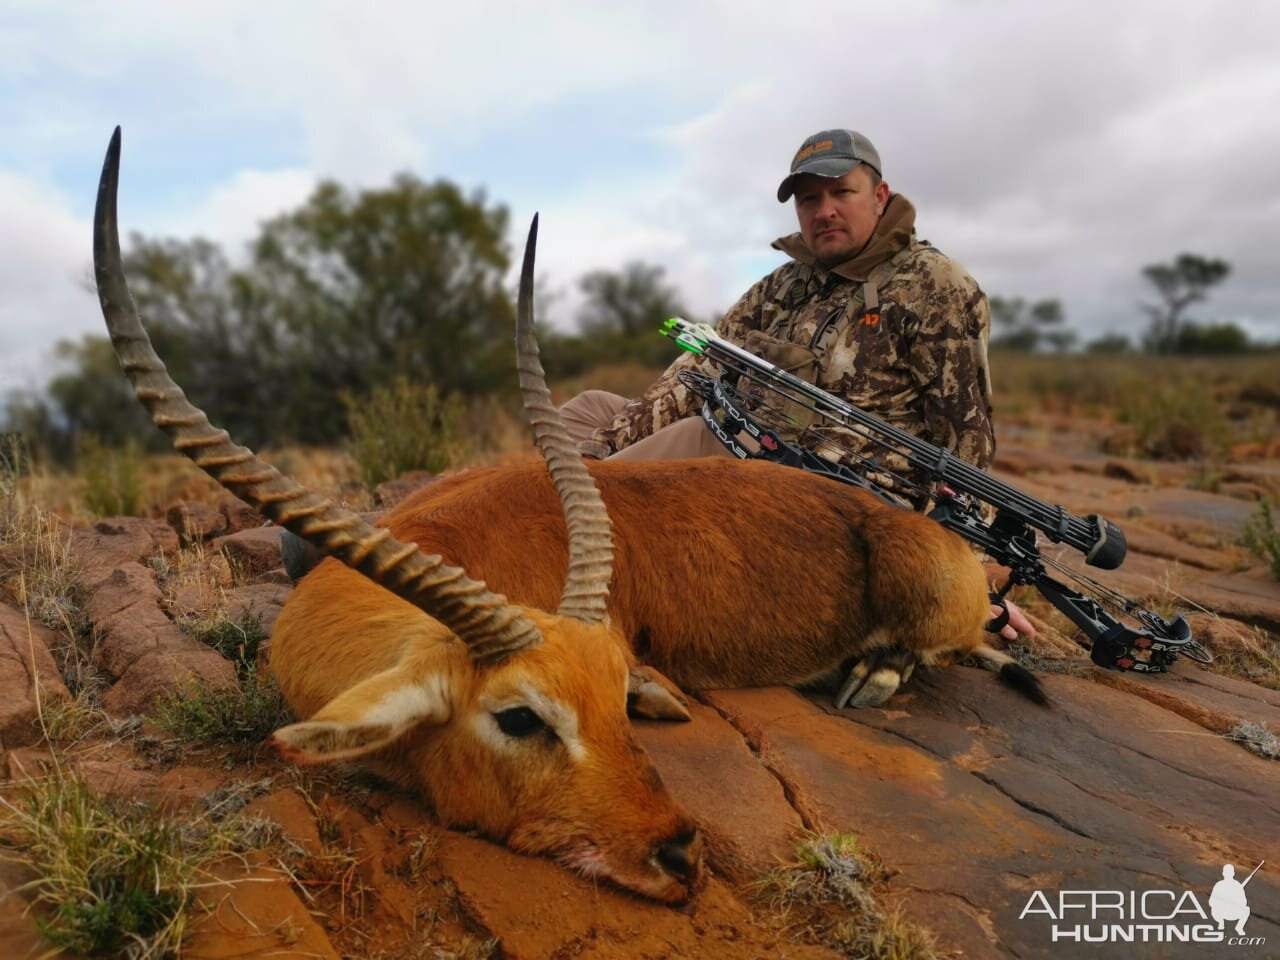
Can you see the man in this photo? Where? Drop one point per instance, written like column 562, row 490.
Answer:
column 863, row 310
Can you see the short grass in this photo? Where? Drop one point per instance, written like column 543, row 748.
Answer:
column 236, row 639
column 1173, row 408
column 241, row 715
column 111, row 877
column 828, row 897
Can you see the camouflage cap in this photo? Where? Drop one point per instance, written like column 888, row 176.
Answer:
column 830, row 153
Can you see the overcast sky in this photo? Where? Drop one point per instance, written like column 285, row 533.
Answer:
column 1054, row 149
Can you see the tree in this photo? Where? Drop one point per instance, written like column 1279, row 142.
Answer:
column 403, row 281
column 94, row 399
column 1179, row 284
column 210, row 323
column 348, row 292
column 1026, row 325
column 631, row 302
column 1212, row 338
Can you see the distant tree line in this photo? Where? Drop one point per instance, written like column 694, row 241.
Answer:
column 1020, row 325
column 352, row 292
column 357, row 291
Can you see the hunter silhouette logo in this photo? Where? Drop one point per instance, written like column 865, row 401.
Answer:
column 1228, row 900
column 1147, row 916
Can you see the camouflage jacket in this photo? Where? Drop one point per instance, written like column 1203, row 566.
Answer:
column 916, row 358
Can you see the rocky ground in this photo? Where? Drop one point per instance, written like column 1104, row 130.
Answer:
column 968, row 798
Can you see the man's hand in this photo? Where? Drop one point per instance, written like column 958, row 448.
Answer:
column 1018, row 625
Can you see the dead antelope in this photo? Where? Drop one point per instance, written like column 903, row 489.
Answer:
column 512, row 720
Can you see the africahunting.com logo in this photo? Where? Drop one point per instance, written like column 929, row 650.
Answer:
column 1148, row 916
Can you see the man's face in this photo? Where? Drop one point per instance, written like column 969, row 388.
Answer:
column 838, row 214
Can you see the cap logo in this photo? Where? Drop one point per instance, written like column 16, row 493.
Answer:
column 806, row 152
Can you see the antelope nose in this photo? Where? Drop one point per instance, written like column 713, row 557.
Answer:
column 681, row 855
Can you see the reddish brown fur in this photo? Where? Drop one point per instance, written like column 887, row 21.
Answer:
column 605, row 813
column 726, row 574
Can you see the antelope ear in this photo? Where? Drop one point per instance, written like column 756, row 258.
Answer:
column 366, row 718
column 651, row 695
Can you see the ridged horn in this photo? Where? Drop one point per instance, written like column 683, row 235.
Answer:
column 586, row 589
column 491, row 628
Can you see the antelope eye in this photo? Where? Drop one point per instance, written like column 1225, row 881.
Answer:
column 519, row 722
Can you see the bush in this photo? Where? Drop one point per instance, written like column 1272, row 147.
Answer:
column 1211, row 339
column 405, row 426
column 1174, row 421
column 111, row 478
column 1263, row 538
column 245, row 713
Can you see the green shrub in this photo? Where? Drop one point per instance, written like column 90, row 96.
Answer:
column 237, row 640
column 111, row 479
column 405, row 426
column 244, row 713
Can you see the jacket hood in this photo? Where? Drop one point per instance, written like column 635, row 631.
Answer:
column 892, row 233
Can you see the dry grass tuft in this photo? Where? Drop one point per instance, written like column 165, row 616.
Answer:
column 828, row 897
column 1262, row 537
column 112, row 877
column 1257, row 738
column 1252, row 656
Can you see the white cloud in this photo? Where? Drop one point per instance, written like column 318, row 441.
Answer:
column 232, row 212
column 44, row 263
column 1053, row 150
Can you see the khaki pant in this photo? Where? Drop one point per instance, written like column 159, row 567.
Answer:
column 592, row 409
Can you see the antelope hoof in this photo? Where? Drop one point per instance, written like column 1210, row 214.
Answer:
column 875, row 678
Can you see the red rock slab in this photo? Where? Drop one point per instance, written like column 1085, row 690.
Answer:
column 195, row 520
column 749, row 825
column 253, row 552
column 256, row 915
column 977, row 798
column 1164, row 508
column 116, row 540
column 537, row 909
column 263, row 600
column 1139, row 780
column 1215, row 702
column 294, row 816
column 1156, row 543
column 1252, row 596
column 28, row 677
column 19, row 936
column 146, row 653
column 238, row 514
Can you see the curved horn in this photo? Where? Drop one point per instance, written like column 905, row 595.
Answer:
column 586, row 589
column 490, row 627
